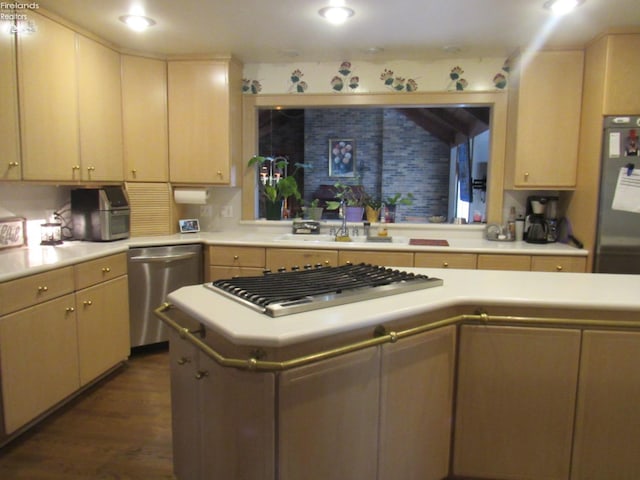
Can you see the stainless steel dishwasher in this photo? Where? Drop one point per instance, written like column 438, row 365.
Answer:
column 153, row 273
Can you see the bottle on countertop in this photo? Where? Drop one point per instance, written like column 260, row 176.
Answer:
column 511, row 224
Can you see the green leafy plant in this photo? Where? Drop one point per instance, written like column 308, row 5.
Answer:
column 398, row 199
column 374, row 202
column 352, row 197
column 283, row 188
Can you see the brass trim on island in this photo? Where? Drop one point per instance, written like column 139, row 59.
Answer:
column 380, row 336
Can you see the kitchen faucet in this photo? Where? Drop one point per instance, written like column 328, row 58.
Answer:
column 343, row 232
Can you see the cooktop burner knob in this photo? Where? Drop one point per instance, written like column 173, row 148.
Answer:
column 307, row 266
column 295, row 268
column 282, row 269
column 266, row 271
column 318, row 265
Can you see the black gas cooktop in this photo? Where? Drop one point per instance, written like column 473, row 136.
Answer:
column 284, row 293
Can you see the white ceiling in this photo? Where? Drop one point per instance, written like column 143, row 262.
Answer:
column 269, row 31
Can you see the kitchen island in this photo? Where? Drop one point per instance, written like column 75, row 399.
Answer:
column 492, row 375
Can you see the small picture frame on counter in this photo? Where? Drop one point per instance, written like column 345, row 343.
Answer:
column 189, row 225
column 13, row 232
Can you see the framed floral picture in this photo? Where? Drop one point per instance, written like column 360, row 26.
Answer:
column 342, row 158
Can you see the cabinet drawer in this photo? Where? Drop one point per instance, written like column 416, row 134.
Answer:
column 34, row 289
column 558, row 263
column 299, row 257
column 99, row 270
column 446, row 260
column 504, row 262
column 386, row 259
column 220, row 272
column 236, row 256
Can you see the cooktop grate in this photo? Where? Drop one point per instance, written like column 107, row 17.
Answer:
column 278, row 294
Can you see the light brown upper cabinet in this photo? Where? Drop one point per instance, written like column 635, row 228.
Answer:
column 545, row 95
column 621, row 72
column 70, row 101
column 9, row 138
column 100, row 107
column 48, row 82
column 205, row 123
column 144, row 112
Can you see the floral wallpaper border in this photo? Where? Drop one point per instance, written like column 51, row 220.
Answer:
column 346, row 80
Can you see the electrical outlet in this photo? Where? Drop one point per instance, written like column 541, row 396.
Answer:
column 206, row 211
column 226, row 211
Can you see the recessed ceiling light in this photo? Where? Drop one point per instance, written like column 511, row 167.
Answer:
column 336, row 15
column 138, row 23
column 561, row 7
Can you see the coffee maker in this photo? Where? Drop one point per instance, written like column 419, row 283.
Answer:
column 541, row 222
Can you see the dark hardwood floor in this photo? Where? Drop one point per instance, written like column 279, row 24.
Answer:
column 119, row 429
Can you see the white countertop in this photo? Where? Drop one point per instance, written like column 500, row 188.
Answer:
column 23, row 261
column 577, row 291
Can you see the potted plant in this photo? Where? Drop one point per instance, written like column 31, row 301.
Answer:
column 353, row 198
column 392, row 202
column 372, row 208
column 276, row 188
column 314, row 210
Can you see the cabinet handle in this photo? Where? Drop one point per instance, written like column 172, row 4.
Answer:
column 70, row 309
column 14, row 164
column 445, row 264
column 43, row 288
column 559, row 268
column 134, row 171
column 219, row 173
column 184, row 360
column 90, row 169
column 75, row 167
column 200, row 374
column 526, row 176
column 87, row 303
column 106, row 270
column 326, row 262
column 236, row 257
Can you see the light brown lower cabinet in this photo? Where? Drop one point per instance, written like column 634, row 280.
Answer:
column 446, row 260
column 558, row 263
column 416, row 406
column 233, row 261
column 607, row 434
column 376, row 257
column 504, row 262
column 288, row 258
column 327, row 422
column 39, row 359
column 515, row 402
column 222, row 418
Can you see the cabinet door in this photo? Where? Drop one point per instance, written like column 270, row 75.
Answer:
column 39, row 359
column 144, row 118
column 387, row 259
column 100, row 107
column 544, row 120
column 185, row 421
column 446, row 260
column 504, row 262
column 299, row 257
column 48, row 84
column 9, row 138
column 328, row 418
column 103, row 327
column 200, row 130
column 417, row 406
column 515, row 402
column 558, row 263
column 607, row 417
column 622, row 65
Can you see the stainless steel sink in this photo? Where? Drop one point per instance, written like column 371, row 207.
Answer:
column 290, row 237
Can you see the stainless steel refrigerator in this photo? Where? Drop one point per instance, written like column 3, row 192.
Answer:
column 618, row 234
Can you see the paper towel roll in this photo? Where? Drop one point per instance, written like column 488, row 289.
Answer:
column 193, row 196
